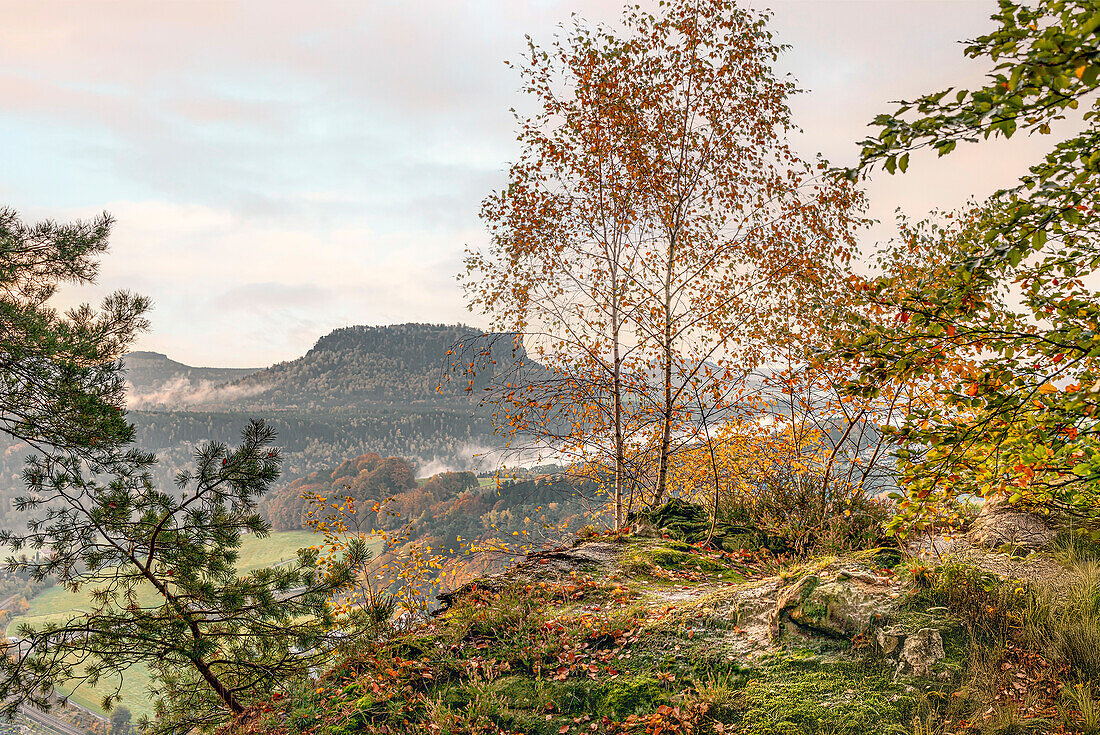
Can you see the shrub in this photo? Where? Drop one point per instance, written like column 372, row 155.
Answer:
column 988, row 606
column 797, row 521
column 799, row 515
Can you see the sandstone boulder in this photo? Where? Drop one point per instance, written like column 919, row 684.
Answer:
column 919, row 653
column 840, row 608
column 1001, row 525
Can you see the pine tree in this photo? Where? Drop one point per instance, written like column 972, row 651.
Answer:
column 61, row 386
column 160, row 566
column 161, row 570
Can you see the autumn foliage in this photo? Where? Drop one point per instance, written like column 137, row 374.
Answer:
column 657, row 242
column 1010, row 320
column 367, row 479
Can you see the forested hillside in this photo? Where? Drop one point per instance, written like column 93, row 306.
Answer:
column 435, row 437
column 356, row 367
column 444, row 511
column 358, row 390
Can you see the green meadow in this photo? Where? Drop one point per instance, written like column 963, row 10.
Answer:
column 56, row 603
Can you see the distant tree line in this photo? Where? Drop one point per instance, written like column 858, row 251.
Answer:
column 444, row 511
column 310, row 443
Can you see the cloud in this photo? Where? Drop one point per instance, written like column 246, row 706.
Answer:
column 276, row 174
column 476, row 456
column 265, row 296
column 181, row 392
column 232, row 290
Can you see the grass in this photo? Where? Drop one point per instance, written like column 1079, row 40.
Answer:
column 58, row 604
column 136, row 686
column 1026, row 654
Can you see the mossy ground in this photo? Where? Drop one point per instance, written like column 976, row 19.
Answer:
column 596, row 653
column 628, row 635
column 807, row 695
column 668, row 559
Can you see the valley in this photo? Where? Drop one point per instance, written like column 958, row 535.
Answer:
column 359, row 389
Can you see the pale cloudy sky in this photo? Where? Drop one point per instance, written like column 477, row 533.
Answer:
column 280, row 169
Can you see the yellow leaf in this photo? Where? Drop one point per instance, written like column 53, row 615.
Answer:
column 1048, row 388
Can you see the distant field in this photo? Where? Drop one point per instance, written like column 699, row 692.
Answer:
column 56, row 603
column 255, row 553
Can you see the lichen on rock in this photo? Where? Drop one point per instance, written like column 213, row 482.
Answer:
column 920, row 652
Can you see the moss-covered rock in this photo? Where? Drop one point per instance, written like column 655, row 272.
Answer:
column 839, row 608
column 802, row 695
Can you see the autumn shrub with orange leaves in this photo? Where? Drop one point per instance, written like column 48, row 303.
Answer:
column 403, row 571
column 773, row 482
column 396, row 575
column 797, row 461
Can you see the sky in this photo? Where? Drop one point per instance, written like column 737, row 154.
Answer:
column 280, row 169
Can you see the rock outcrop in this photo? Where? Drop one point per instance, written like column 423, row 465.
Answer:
column 854, row 603
column 915, row 652
column 1001, row 525
column 841, row 607
column 919, row 653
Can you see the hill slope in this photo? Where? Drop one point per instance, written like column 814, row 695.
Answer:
column 623, row 635
column 359, row 389
column 353, row 367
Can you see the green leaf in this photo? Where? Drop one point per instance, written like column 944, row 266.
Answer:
column 1090, row 25
column 1014, row 81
